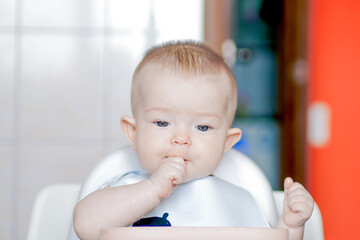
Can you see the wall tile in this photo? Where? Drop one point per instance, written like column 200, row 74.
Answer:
column 7, row 12
column 44, row 164
column 164, row 36
column 61, row 88
column 62, row 13
column 6, row 85
column 6, row 196
column 127, row 15
column 169, row 16
column 121, row 56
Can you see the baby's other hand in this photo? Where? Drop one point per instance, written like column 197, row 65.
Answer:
column 169, row 174
column 298, row 204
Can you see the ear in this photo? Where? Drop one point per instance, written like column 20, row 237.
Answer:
column 129, row 128
column 233, row 136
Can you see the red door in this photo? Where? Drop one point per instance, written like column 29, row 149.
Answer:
column 334, row 152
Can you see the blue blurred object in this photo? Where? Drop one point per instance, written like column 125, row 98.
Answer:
column 256, row 75
column 261, row 142
column 255, row 26
column 243, row 145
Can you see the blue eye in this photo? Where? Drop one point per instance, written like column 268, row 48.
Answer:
column 162, row 123
column 202, row 128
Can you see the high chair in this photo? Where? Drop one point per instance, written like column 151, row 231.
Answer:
column 52, row 211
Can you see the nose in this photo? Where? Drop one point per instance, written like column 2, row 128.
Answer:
column 181, row 140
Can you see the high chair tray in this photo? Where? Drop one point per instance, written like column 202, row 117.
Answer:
column 199, row 233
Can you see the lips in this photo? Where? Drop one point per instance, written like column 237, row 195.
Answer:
column 185, row 160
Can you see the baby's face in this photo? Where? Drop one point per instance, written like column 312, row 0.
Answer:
column 182, row 116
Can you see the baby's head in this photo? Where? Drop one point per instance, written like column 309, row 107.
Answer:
column 183, row 100
column 187, row 59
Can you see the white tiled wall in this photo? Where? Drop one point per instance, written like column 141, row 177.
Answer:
column 65, row 76
column 7, row 13
column 6, row 85
column 6, row 196
column 62, row 13
column 61, row 90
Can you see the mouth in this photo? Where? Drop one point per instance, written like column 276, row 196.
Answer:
column 185, row 160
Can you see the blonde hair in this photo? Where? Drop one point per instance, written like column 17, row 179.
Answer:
column 186, row 57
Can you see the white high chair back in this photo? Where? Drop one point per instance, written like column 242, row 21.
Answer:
column 238, row 169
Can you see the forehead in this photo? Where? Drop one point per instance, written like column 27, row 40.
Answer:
column 144, row 79
column 157, row 88
column 155, row 72
column 157, row 76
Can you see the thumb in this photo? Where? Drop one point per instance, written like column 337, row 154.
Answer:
column 287, row 183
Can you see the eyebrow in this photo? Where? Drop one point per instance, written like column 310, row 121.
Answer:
column 158, row 109
column 208, row 114
column 164, row 109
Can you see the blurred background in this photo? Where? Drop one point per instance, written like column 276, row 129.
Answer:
column 65, row 76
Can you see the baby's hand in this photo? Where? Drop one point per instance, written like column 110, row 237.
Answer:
column 169, row 174
column 298, row 204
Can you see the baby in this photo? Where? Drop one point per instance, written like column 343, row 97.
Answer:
column 183, row 102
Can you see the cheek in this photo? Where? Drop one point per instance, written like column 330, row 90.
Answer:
column 211, row 145
column 210, row 150
column 149, row 146
column 150, row 140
